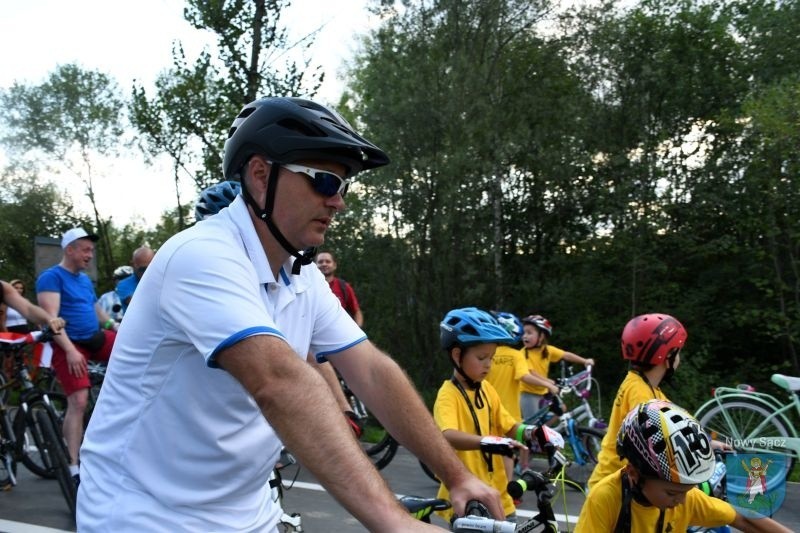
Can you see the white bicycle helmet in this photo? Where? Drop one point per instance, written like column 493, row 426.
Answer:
column 664, row 441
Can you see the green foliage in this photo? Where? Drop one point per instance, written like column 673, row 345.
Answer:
column 194, row 103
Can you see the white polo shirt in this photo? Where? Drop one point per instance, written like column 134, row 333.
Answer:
column 175, row 443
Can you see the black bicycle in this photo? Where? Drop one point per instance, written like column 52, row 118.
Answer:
column 376, row 442
column 33, row 435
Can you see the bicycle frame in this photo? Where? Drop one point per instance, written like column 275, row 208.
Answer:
column 777, row 410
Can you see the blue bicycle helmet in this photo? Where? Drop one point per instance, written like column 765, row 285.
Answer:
column 469, row 326
column 511, row 322
column 215, row 198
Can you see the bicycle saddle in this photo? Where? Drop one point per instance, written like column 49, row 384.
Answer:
column 415, row 503
column 786, row 382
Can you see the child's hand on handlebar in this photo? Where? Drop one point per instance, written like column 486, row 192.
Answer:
column 500, row 445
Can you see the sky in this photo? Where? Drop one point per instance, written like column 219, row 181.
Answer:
column 132, row 40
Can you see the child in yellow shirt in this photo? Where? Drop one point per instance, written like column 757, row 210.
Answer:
column 468, row 409
column 668, row 454
column 539, row 354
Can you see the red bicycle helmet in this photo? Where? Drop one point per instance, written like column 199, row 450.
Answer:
column 650, row 339
column 540, row 322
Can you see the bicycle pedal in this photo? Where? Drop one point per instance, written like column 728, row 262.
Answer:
column 7, row 487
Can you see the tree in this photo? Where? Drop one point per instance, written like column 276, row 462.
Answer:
column 29, row 207
column 194, row 105
column 64, row 124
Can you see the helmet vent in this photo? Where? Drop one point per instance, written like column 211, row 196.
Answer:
column 309, row 130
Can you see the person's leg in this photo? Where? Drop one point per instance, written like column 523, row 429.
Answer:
column 73, row 422
column 76, row 390
column 529, row 405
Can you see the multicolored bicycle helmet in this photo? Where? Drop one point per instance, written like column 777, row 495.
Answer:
column 651, row 339
column 122, row 272
column 664, row 441
column 215, row 198
column 511, row 322
column 469, row 326
column 540, row 322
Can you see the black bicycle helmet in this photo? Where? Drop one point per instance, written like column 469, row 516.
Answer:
column 215, row 198
column 287, row 130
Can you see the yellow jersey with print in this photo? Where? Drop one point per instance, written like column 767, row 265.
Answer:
column 541, row 365
column 450, row 411
column 508, row 367
column 602, row 509
column 634, row 390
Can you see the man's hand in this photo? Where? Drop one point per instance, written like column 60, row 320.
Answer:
column 56, row 324
column 474, row 489
column 76, row 363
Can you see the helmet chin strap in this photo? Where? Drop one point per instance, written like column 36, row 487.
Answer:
column 265, row 214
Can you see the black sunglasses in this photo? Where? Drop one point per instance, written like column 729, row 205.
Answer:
column 324, row 182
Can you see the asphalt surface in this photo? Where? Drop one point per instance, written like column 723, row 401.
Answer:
column 37, row 506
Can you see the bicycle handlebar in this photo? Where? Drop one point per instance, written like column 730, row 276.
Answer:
column 17, row 340
column 478, row 520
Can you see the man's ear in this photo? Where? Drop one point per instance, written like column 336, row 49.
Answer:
column 258, row 169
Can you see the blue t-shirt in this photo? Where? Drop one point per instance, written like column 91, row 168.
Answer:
column 125, row 289
column 77, row 300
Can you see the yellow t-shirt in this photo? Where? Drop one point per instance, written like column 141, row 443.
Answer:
column 450, row 411
column 540, row 365
column 508, row 367
column 601, row 510
column 633, row 391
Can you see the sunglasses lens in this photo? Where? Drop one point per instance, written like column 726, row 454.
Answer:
column 328, row 184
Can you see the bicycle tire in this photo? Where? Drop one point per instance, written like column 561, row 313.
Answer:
column 4, row 388
column 382, row 452
column 8, row 461
column 376, row 442
column 745, row 417
column 429, row 472
column 584, row 459
column 29, row 440
column 54, row 452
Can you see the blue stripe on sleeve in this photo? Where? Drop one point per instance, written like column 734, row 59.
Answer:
column 237, row 337
column 323, row 356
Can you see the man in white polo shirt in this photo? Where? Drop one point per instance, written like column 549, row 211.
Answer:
column 209, row 366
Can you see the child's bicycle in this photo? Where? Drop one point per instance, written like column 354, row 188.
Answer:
column 754, row 422
column 583, row 432
column 33, row 436
column 477, row 518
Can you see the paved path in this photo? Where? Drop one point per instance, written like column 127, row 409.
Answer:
column 36, row 505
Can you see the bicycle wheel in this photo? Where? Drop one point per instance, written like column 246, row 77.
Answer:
column 429, row 472
column 4, row 388
column 8, row 463
column 584, row 455
column 376, row 442
column 29, row 439
column 744, row 425
column 382, row 451
column 53, row 451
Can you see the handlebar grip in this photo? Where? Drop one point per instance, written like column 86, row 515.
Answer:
column 476, row 508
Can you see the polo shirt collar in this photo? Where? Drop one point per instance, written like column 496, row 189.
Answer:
column 240, row 216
